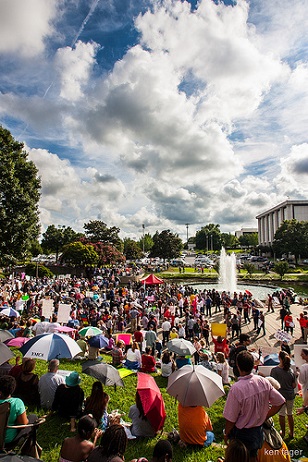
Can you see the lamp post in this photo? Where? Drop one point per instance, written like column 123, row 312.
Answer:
column 187, row 225
column 143, row 238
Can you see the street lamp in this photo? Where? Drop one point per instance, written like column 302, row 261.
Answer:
column 143, row 238
column 187, row 224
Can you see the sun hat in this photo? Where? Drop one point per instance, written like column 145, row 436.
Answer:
column 73, row 379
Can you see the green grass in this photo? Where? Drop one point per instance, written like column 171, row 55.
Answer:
column 52, row 433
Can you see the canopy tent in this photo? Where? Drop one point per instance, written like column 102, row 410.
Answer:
column 151, row 279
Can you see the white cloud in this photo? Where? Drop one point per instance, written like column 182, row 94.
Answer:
column 25, row 25
column 74, row 66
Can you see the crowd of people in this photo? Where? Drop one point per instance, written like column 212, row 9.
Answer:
column 153, row 315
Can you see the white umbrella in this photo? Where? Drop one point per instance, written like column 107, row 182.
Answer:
column 50, row 346
column 10, row 312
column 181, row 347
column 195, row 386
column 5, row 353
column 5, row 335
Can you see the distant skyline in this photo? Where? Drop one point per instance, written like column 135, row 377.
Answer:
column 159, row 113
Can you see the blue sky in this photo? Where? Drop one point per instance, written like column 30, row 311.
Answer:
column 158, row 112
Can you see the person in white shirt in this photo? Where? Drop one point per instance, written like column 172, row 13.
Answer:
column 48, row 384
column 40, row 327
column 53, row 325
column 166, row 327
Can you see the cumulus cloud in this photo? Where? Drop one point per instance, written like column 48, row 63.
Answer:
column 25, row 25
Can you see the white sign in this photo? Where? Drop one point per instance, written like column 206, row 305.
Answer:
column 47, row 308
column 282, row 335
column 64, row 313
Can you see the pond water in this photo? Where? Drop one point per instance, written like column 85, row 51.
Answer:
column 257, row 290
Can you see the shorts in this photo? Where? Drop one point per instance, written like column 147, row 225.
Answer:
column 252, row 438
column 287, row 408
column 210, row 437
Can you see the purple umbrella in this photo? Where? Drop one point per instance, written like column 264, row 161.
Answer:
column 98, row 341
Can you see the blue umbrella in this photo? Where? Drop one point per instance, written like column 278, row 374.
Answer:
column 98, row 341
column 10, row 312
column 271, row 360
column 50, row 346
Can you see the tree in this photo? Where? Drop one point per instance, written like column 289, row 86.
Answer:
column 79, row 254
column 249, row 267
column 166, row 245
column 281, row 268
column 19, row 196
column 107, row 254
column 209, row 237
column 229, row 241
column 97, row 231
column 146, row 243
column 132, row 250
column 55, row 237
column 249, row 240
column 291, row 238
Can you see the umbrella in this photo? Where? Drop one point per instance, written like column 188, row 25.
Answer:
column 5, row 335
column 89, row 331
column 65, row 329
column 5, row 353
column 181, row 347
column 152, row 401
column 271, row 360
column 248, row 292
column 10, row 312
column 16, row 342
column 105, row 373
column 98, row 341
column 151, row 279
column 195, row 386
column 50, row 346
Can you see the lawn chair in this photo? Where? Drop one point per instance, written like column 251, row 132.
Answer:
column 26, row 440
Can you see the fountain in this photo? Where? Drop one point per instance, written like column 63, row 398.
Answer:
column 227, row 271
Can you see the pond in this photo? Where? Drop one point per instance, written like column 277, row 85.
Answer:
column 259, row 291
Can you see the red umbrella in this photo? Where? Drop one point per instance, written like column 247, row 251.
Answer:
column 248, row 292
column 152, row 401
column 151, row 279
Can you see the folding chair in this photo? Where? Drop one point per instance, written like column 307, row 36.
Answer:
column 29, row 444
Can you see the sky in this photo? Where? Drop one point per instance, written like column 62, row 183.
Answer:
column 158, row 113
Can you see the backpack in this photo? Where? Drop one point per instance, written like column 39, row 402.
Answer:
column 234, row 351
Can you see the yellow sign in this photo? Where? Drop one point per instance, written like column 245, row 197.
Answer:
column 219, row 329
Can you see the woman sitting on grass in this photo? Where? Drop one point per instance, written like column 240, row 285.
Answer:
column 148, row 361
column 78, row 448
column 133, row 357
column 140, row 424
column 96, row 404
column 112, row 446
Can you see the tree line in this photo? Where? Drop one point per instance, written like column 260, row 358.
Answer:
column 98, row 245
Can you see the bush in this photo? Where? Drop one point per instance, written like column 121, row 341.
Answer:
column 32, row 270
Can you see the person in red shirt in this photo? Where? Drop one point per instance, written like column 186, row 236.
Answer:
column 148, row 363
column 221, row 345
column 138, row 337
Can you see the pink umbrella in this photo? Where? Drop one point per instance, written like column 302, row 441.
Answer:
column 65, row 329
column 16, row 342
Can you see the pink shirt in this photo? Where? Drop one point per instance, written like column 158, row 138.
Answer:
column 248, row 401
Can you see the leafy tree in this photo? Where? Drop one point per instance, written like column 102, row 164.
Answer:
column 229, row 241
column 19, row 196
column 97, row 231
column 166, row 245
column 79, row 254
column 250, row 268
column 148, row 242
column 35, row 248
column 55, row 237
column 209, row 237
column 291, row 237
column 32, row 269
column 107, row 254
column 132, row 250
column 249, row 240
column 281, row 268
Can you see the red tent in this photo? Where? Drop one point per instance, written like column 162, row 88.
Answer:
column 151, row 279
column 152, row 401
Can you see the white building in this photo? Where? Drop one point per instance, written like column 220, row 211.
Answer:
column 269, row 221
column 245, row 231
